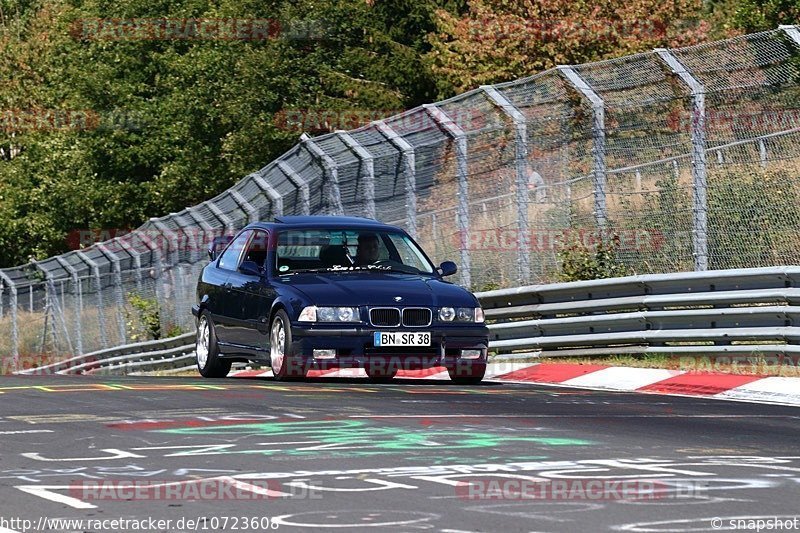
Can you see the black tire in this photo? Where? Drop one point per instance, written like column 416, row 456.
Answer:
column 290, row 368
column 212, row 366
column 467, row 374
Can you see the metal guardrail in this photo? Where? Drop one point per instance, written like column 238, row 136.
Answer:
column 157, row 355
column 695, row 312
column 741, row 311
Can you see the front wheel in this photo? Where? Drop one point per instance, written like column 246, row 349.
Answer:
column 467, row 374
column 284, row 365
column 209, row 363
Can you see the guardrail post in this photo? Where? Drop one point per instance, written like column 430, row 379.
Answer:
column 331, row 171
column 77, row 301
column 408, row 156
column 12, row 287
column 521, row 164
column 699, row 177
column 301, row 184
column 598, row 142
column 367, row 171
column 276, row 200
column 101, row 321
column 115, row 261
column 460, row 140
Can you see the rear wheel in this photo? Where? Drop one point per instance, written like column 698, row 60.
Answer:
column 284, row 366
column 467, row 374
column 209, row 363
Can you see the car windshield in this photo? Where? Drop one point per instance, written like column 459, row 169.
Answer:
column 347, row 250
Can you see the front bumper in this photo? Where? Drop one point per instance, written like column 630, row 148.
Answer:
column 355, row 346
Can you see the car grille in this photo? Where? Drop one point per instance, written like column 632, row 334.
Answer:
column 384, row 316
column 416, row 316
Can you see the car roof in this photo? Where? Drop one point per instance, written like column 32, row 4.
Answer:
column 322, row 221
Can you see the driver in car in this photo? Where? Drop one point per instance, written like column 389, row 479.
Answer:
column 367, row 250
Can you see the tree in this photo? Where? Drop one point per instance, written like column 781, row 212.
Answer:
column 501, row 40
column 173, row 122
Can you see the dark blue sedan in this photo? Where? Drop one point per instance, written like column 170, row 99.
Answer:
column 334, row 292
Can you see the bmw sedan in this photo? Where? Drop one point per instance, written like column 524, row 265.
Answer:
column 326, row 292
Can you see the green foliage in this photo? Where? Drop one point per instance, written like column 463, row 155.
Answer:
column 500, row 40
column 143, row 320
column 758, row 15
column 179, row 121
column 753, row 218
column 580, row 261
column 174, row 330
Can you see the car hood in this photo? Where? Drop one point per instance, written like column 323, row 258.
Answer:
column 378, row 289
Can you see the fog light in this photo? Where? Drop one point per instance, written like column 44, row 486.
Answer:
column 324, row 354
column 470, row 354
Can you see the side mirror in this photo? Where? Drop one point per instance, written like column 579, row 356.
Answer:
column 448, row 268
column 217, row 245
column 250, row 268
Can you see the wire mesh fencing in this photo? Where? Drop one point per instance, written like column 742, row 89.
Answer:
column 688, row 158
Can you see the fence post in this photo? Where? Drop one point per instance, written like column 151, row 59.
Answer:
column 200, row 238
column 53, row 309
column 12, row 287
column 135, row 257
column 331, row 170
column 699, row 177
column 247, row 207
column 460, row 140
column 227, row 222
column 276, row 200
column 157, row 273
column 301, row 184
column 171, row 240
column 367, row 171
column 598, row 142
column 77, row 302
column 409, row 173
column 792, row 31
column 98, row 285
column 167, row 300
column 521, row 164
column 117, row 269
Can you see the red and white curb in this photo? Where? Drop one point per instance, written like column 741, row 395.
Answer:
column 760, row 389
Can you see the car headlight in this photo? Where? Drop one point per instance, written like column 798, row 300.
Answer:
column 461, row 314
column 312, row 313
column 447, row 314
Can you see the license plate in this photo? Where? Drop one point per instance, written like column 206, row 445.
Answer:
column 399, row 338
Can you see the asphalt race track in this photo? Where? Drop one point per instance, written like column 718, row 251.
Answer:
column 246, row 454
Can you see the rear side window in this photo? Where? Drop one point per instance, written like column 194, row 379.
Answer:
column 230, row 258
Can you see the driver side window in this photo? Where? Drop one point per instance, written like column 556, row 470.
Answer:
column 230, row 258
column 257, row 249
